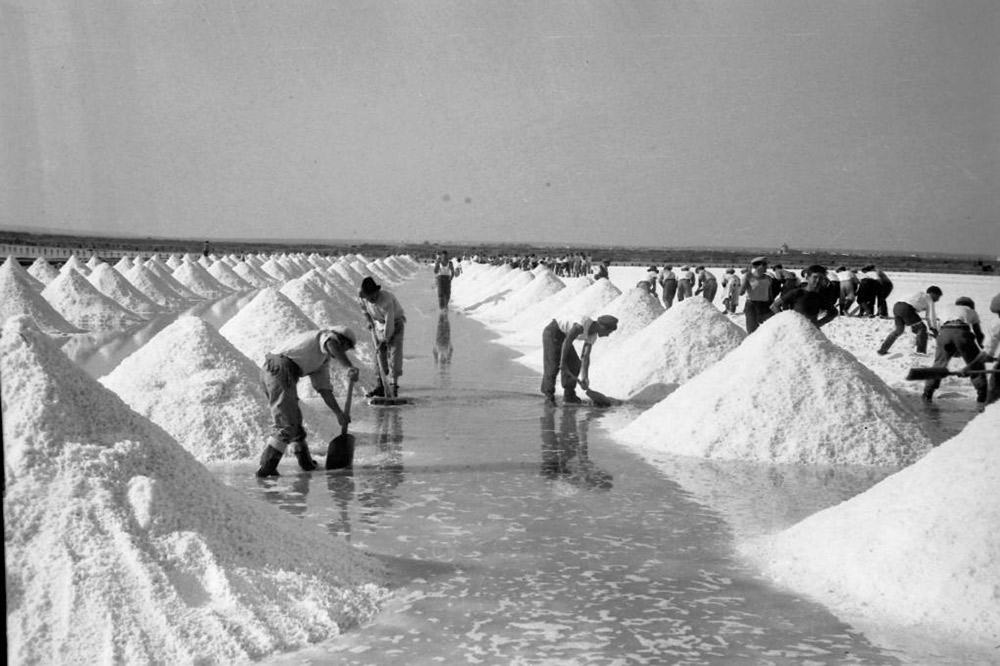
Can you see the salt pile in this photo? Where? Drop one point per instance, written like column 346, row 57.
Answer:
column 541, row 287
column 253, row 275
column 635, row 309
column 43, row 271
column 796, row 397
column 74, row 263
column 475, row 280
column 166, row 276
column 919, row 550
column 172, row 262
column 537, row 315
column 82, row 305
column 122, row 265
column 196, row 277
column 678, row 345
column 496, row 292
column 122, row 548
column 277, row 270
column 93, row 262
column 116, row 286
column 228, row 278
column 153, row 287
column 263, row 323
column 18, row 296
column 194, row 384
column 310, row 297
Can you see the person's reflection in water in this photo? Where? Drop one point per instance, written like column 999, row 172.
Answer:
column 376, row 492
column 564, row 452
column 292, row 500
column 442, row 345
column 341, row 486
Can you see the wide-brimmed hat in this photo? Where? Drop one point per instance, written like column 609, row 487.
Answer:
column 369, row 287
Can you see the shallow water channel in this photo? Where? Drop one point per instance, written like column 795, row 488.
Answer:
column 517, row 533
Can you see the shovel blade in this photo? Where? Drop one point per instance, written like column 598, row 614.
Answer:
column 340, row 453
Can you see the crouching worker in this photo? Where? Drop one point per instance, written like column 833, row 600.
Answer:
column 960, row 335
column 560, row 357
column 305, row 354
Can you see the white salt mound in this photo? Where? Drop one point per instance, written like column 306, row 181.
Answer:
column 166, row 276
column 121, row 548
column 532, row 319
column 678, row 345
column 116, row 286
column 196, row 277
column 542, row 286
column 253, row 275
column 19, row 297
column 786, row 395
column 921, row 549
column 153, row 287
column 74, row 263
column 270, row 318
column 277, row 269
column 227, row 277
column 635, row 309
column 194, row 384
column 42, row 270
column 84, row 306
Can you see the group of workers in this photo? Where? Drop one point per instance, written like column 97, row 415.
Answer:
column 956, row 327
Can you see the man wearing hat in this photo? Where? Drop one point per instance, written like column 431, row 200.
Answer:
column 669, row 283
column 560, row 357
column 760, row 289
column 388, row 322
column 304, row 355
column 907, row 313
column 961, row 335
column 813, row 297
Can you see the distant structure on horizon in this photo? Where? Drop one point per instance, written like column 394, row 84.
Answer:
column 784, row 249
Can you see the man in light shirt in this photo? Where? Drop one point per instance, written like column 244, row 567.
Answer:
column 560, row 357
column 668, row 281
column 960, row 335
column 907, row 313
column 989, row 354
column 386, row 318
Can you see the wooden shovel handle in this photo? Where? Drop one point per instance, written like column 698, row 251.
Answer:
column 347, row 403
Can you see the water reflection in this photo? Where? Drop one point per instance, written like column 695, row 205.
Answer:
column 443, row 348
column 294, row 499
column 565, row 452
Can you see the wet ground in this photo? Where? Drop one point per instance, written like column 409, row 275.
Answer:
column 521, row 534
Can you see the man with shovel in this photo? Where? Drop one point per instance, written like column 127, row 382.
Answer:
column 387, row 322
column 560, row 357
column 304, row 355
column 960, row 335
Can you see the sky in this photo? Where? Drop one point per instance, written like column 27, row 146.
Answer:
column 860, row 124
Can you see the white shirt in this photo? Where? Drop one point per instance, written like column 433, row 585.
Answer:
column 589, row 335
column 921, row 302
column 957, row 313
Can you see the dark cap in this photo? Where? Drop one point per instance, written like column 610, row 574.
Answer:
column 816, row 268
column 369, row 287
column 966, row 301
column 934, row 289
column 758, row 260
column 609, row 322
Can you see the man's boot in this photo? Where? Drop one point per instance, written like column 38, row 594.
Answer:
column 305, row 459
column 571, row 398
column 377, row 392
column 269, row 460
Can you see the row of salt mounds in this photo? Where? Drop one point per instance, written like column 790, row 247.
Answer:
column 19, row 296
column 544, row 284
column 538, row 314
column 786, row 395
column 74, row 263
column 42, row 270
column 591, row 302
column 475, row 278
column 194, row 384
column 263, row 323
column 279, row 269
column 920, row 549
column 117, row 287
column 82, row 305
column 676, row 346
column 166, row 275
column 196, row 277
column 147, row 281
column 122, row 548
column 253, row 275
column 498, row 291
column 227, row 277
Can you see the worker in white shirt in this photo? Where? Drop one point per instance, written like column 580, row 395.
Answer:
column 960, row 335
column 989, row 354
column 907, row 313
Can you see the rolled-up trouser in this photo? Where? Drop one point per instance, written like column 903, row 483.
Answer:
column 443, row 290
column 283, row 402
column 709, row 290
column 556, row 363
column 955, row 341
column 390, row 357
column 905, row 315
column 669, row 293
column 757, row 312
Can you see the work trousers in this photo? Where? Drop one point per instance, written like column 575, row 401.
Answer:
column 955, row 341
column 709, row 290
column 390, row 357
column 556, row 363
column 905, row 315
column 867, row 295
column 443, row 290
column 684, row 289
column 283, row 403
column 669, row 293
column 756, row 312
column 884, row 289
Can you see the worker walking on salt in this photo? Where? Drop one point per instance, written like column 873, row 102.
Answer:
column 387, row 321
column 560, row 357
column 304, row 355
column 444, row 273
column 960, row 335
column 907, row 313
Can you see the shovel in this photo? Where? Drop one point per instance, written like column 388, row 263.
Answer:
column 340, row 452
column 387, row 399
column 596, row 397
column 941, row 373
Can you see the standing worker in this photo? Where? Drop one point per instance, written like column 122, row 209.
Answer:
column 811, row 298
column 731, row 283
column 761, row 290
column 444, row 273
column 387, row 322
column 907, row 313
column 560, row 357
column 685, row 284
column 707, row 284
column 882, row 293
column 668, row 281
column 304, row 355
column 960, row 335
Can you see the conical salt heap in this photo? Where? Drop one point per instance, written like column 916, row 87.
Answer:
column 538, row 314
column 121, row 548
column 260, row 325
column 310, row 297
column 920, row 549
column 84, row 306
column 253, row 275
column 475, row 280
column 635, row 309
column 786, row 395
column 676, row 346
column 43, row 271
column 117, row 287
column 166, row 275
column 18, row 296
column 497, row 292
column 122, row 265
column 194, row 384
column 223, row 272
column 196, row 277
column 544, row 284
column 153, row 287
column 74, row 263
column 278, row 270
